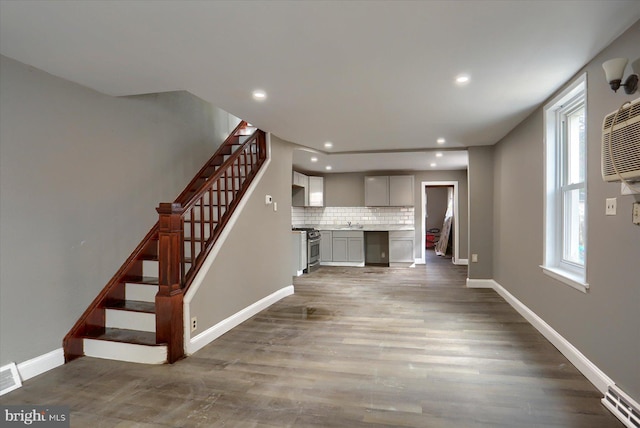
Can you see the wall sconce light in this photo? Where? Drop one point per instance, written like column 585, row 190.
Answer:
column 614, row 71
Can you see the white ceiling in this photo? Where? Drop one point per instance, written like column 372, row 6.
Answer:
column 366, row 75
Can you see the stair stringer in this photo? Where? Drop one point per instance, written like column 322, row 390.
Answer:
column 193, row 344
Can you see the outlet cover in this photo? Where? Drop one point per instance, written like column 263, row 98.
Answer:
column 474, row 258
column 611, row 206
column 636, row 213
column 194, row 323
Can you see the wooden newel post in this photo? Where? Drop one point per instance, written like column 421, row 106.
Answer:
column 169, row 322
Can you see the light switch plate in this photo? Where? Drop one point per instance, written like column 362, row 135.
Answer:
column 611, row 206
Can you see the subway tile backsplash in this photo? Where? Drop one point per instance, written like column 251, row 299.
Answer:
column 301, row 216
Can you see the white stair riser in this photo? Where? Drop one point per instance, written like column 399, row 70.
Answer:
column 140, row 292
column 125, row 351
column 129, row 320
column 150, row 268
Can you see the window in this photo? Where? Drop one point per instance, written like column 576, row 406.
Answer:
column 565, row 241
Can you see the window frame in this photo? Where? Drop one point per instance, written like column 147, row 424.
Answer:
column 556, row 185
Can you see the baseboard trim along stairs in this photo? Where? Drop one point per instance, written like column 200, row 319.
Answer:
column 620, row 404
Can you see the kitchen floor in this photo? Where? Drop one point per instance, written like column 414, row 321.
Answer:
column 353, row 347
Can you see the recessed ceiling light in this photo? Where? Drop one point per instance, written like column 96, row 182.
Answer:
column 439, row 154
column 433, row 165
column 328, row 145
column 259, row 95
column 441, row 140
column 328, row 167
column 314, row 159
column 462, row 79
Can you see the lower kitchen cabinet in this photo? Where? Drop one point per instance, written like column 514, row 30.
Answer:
column 401, row 246
column 346, row 246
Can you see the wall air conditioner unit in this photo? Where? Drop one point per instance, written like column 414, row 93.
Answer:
column 621, row 143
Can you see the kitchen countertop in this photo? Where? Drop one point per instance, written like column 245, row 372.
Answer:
column 364, row 227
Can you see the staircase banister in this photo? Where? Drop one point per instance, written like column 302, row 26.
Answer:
column 187, row 205
column 218, row 152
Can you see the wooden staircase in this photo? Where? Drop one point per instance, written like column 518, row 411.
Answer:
column 138, row 315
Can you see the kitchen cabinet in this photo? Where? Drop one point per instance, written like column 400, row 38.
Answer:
column 307, row 191
column 299, row 190
column 299, row 243
column 348, row 246
column 401, row 190
column 299, row 179
column 376, row 191
column 316, row 191
column 401, row 245
column 326, row 246
column 384, row 191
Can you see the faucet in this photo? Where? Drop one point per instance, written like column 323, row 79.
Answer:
column 349, row 223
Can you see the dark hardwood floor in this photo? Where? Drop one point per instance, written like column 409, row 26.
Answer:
column 353, row 347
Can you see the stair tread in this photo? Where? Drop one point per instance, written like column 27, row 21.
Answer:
column 151, row 280
column 134, row 306
column 126, row 336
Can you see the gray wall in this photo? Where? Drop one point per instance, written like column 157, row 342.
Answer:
column 255, row 260
column 481, row 211
column 81, row 174
column 347, row 190
column 437, row 198
column 344, row 189
column 603, row 323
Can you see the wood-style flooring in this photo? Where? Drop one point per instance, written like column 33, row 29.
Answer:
column 353, row 347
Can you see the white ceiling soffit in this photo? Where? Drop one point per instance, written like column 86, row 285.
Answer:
column 371, row 162
column 376, row 75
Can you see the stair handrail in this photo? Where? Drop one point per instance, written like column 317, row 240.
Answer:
column 259, row 137
column 218, row 153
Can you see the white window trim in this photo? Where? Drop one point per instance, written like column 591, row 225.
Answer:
column 572, row 276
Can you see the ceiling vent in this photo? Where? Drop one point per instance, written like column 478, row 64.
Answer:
column 621, row 144
column 9, row 378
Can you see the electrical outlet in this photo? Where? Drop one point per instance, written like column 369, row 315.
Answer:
column 194, row 323
column 636, row 213
column 474, row 258
column 611, row 206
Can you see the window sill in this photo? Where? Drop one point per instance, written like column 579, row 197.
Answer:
column 568, row 278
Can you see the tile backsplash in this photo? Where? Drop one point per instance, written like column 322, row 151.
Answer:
column 301, row 216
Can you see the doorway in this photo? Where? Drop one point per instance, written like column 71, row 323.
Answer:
column 448, row 189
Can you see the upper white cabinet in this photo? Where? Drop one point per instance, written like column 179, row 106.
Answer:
column 300, row 179
column 307, row 191
column 316, row 191
column 384, row 191
column 376, row 191
column 401, row 190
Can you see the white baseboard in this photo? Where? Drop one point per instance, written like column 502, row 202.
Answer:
column 462, row 262
column 343, row 264
column 203, row 339
column 596, row 376
column 481, row 283
column 41, row 364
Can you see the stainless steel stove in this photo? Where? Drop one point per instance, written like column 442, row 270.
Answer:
column 313, row 248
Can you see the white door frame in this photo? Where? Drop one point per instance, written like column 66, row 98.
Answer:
column 456, row 223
